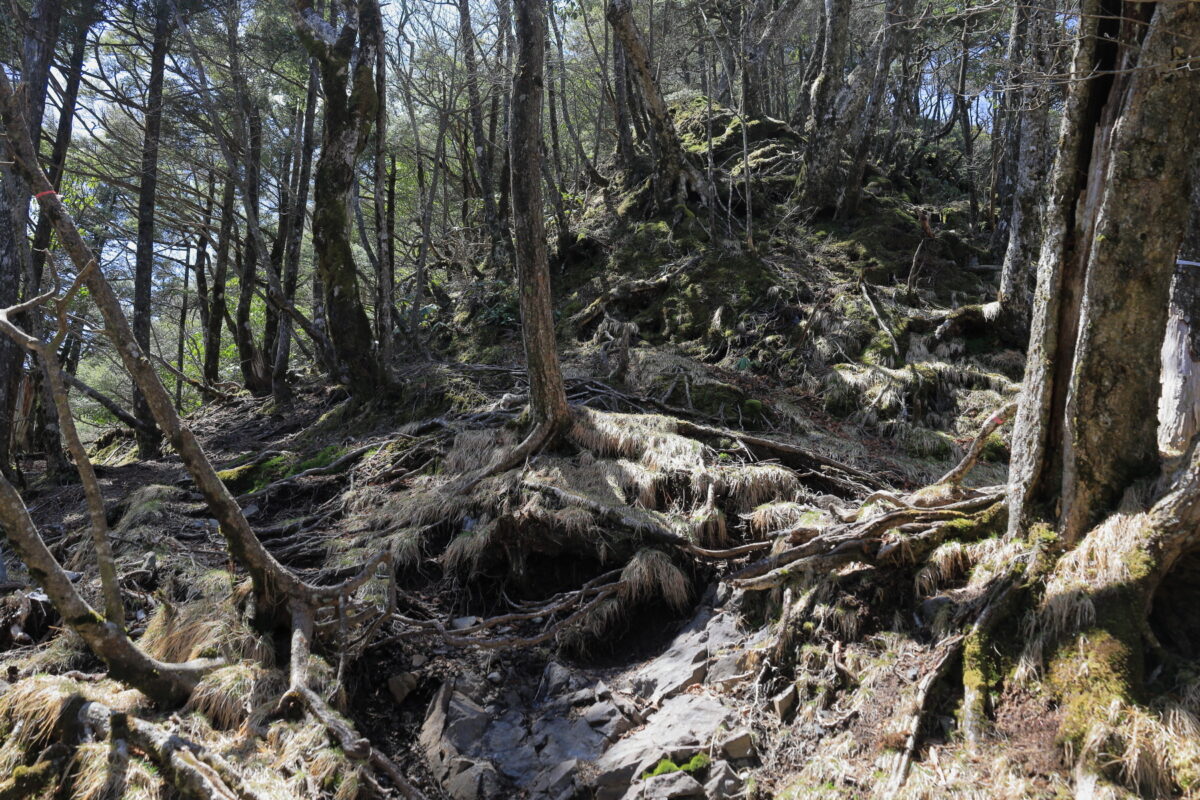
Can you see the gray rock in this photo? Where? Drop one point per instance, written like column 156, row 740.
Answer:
column 558, row 739
column 606, row 718
column 419, row 661
column 557, row 782
column 458, row 623
column 739, row 744
column 402, row 685
column 683, row 663
column 557, row 681
column 681, row 728
column 475, row 780
column 453, row 727
column 672, row 785
column 722, row 781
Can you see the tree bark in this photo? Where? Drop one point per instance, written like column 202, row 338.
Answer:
column 547, row 396
column 823, row 154
column 149, row 443
column 1085, row 432
column 350, row 99
column 217, row 310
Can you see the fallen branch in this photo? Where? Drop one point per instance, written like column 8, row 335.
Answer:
column 950, row 649
column 994, row 421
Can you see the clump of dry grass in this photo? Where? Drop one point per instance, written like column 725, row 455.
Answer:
column 227, row 696
column 652, row 574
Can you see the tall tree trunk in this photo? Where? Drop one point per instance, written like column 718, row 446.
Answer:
column 386, row 278
column 291, row 264
column 500, row 251
column 217, row 309
column 893, row 35
column 350, row 98
column 250, row 357
column 149, row 442
column 182, row 335
column 547, row 396
column 1032, row 135
column 1085, row 430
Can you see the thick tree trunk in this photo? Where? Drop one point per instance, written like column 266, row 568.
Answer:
column 1179, row 405
column 548, row 398
column 1085, row 431
column 350, row 98
column 149, row 444
column 823, row 153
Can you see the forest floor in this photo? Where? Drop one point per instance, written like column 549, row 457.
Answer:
column 581, row 626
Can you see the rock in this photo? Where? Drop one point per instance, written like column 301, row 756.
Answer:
column 722, row 781
column 453, row 727
column 672, row 785
column 418, row 661
column 681, row 728
column 559, row 782
column 784, row 702
column 606, row 718
column 402, row 685
column 463, row 622
column 683, row 663
column 739, row 744
column 495, row 677
column 558, row 739
column 557, row 681
column 474, row 780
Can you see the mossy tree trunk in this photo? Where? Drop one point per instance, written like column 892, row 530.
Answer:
column 1086, row 428
column 676, row 177
column 348, row 86
column 823, row 151
column 1085, row 432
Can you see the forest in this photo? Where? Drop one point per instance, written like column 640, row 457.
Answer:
column 599, row 399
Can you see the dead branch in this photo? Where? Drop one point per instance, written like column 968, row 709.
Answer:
column 997, row 418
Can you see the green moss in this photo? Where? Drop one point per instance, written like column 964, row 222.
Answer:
column 1090, row 678
column 698, row 763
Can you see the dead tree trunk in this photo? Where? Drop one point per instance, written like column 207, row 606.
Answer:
column 1179, row 405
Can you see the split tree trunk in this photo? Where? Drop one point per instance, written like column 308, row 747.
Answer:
column 1085, row 431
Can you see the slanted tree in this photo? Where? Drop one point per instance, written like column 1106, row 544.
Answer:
column 676, row 178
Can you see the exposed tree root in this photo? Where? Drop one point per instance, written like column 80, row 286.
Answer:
column 948, row 651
